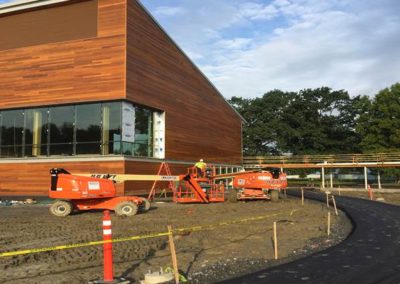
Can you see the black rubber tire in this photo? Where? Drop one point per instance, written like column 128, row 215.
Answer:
column 233, row 195
column 274, row 195
column 145, row 206
column 126, row 208
column 61, row 208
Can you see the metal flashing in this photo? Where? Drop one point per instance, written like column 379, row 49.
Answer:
column 20, row 5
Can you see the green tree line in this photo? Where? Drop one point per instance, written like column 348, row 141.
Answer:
column 320, row 121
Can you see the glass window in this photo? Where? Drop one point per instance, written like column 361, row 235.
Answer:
column 61, row 124
column 12, row 132
column 143, row 132
column 36, row 132
column 77, row 129
column 111, row 136
column 88, row 129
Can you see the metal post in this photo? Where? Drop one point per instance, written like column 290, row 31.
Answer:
column 379, row 180
column 323, row 177
column 365, row 178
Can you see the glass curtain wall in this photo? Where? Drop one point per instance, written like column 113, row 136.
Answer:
column 143, row 132
column 12, row 133
column 36, row 132
column 61, row 124
column 84, row 129
column 88, row 129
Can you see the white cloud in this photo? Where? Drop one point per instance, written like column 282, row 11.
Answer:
column 255, row 11
column 247, row 48
column 165, row 11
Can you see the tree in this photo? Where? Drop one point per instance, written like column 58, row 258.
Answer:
column 312, row 121
column 379, row 126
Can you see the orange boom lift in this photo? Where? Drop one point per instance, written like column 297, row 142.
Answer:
column 256, row 185
column 97, row 191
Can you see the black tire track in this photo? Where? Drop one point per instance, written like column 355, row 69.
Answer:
column 371, row 254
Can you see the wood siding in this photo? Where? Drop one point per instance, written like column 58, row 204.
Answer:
column 48, row 25
column 33, row 179
column 199, row 122
column 130, row 58
column 84, row 70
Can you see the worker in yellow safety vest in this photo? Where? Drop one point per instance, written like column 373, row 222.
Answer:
column 200, row 167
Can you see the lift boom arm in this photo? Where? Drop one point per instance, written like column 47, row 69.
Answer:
column 122, row 177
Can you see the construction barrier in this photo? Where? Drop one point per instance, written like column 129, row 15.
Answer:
column 107, row 247
column 147, row 236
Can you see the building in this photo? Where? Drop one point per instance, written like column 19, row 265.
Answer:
column 98, row 86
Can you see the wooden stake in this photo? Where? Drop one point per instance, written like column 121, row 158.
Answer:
column 329, row 224
column 173, row 254
column 275, row 242
column 339, row 191
column 302, row 196
column 334, row 204
column 327, row 199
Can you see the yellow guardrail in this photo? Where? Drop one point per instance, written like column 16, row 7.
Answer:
column 147, row 236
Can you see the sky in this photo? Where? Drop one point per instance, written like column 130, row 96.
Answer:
column 249, row 47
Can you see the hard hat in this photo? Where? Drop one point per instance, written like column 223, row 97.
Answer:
column 201, row 160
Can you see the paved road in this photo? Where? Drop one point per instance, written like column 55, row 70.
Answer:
column 371, row 254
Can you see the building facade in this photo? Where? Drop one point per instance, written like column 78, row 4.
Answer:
column 97, row 86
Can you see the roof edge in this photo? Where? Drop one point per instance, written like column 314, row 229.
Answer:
column 21, row 5
column 190, row 60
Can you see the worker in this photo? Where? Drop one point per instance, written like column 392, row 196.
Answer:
column 200, row 167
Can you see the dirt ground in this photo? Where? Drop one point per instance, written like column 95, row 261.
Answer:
column 205, row 256
column 392, row 198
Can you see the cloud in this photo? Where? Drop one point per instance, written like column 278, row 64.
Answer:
column 165, row 11
column 247, row 48
column 256, row 11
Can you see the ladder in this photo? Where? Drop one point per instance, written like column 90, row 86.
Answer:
column 164, row 166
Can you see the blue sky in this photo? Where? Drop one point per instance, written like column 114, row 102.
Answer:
column 248, row 47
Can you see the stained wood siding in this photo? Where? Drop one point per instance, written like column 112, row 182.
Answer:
column 33, row 179
column 90, row 69
column 130, row 58
column 199, row 122
column 68, row 22
column 148, row 168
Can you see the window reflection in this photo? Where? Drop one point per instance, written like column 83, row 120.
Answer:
column 88, row 129
column 12, row 130
column 111, row 136
column 143, row 132
column 61, row 124
column 36, row 130
column 94, row 129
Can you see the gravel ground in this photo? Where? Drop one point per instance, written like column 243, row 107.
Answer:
column 204, row 256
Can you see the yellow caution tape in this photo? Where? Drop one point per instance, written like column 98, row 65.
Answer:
column 147, row 236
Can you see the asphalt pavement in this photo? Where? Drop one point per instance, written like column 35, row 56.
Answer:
column 371, row 254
